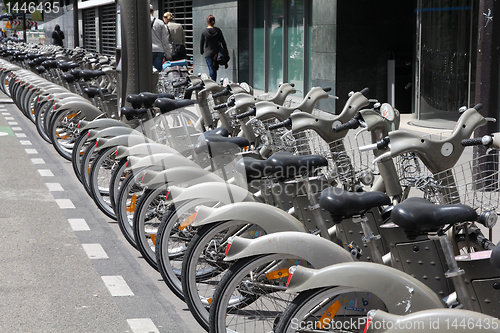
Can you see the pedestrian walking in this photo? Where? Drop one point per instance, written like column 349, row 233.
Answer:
column 176, row 37
column 159, row 40
column 57, row 36
column 213, row 47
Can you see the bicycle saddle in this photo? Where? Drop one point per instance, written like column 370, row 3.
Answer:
column 32, row 56
column 40, row 69
column 495, row 256
column 135, row 100
column 68, row 78
column 149, row 98
column 219, row 131
column 418, row 215
column 133, row 113
column 49, row 64
column 344, row 204
column 291, row 165
column 92, row 92
column 253, row 168
column 217, row 144
column 31, row 63
column 66, row 66
column 167, row 104
column 76, row 73
column 39, row 60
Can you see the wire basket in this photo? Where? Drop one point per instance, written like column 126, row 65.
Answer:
column 346, row 164
column 473, row 183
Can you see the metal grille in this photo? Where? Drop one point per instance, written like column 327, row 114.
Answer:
column 183, row 13
column 90, row 30
column 107, row 19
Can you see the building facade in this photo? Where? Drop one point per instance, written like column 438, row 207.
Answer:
column 421, row 55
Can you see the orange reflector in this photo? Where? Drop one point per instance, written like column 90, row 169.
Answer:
column 209, row 300
column 327, row 317
column 133, row 201
column 278, row 274
column 72, row 115
column 188, row 221
column 153, row 238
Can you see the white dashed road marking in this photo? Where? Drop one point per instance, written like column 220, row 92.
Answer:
column 65, row 203
column 78, row 224
column 37, row 161
column 117, row 286
column 25, row 142
column 95, row 251
column 45, row 173
column 142, row 325
column 20, row 135
column 54, row 187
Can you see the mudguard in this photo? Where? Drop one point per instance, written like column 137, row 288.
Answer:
column 435, row 320
column 120, row 140
column 400, row 292
column 144, row 149
column 102, row 123
column 162, row 160
column 318, row 251
column 179, row 175
column 226, row 193
column 272, row 219
column 89, row 111
column 112, row 131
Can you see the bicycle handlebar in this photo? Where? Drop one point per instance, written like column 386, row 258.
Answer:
column 226, row 91
column 365, row 91
column 229, row 104
column 478, row 106
column 180, row 83
column 351, row 124
column 249, row 113
column 327, row 89
column 284, row 123
column 199, row 86
column 380, row 145
column 475, row 141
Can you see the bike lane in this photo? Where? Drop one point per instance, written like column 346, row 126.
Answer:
column 62, row 268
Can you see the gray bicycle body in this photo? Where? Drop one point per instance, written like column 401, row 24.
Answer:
column 270, row 218
column 216, row 191
column 101, row 124
column 143, row 149
column 318, row 251
column 406, row 295
column 436, row 321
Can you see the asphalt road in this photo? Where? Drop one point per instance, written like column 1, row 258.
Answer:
column 64, row 266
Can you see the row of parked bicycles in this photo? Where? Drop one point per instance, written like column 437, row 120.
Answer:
column 268, row 215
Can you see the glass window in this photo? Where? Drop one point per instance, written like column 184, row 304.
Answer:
column 259, row 75
column 296, row 43
column 443, row 58
column 276, row 45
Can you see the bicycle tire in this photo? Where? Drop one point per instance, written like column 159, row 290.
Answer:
column 251, row 296
column 62, row 130
column 100, row 179
column 197, row 282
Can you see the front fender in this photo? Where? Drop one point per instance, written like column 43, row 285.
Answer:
column 179, row 175
column 400, row 292
column 272, row 219
column 113, row 131
column 318, row 251
column 162, row 160
column 88, row 110
column 435, row 320
column 103, row 123
column 218, row 191
column 144, row 149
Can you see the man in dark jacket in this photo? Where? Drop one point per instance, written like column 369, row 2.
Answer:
column 212, row 44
